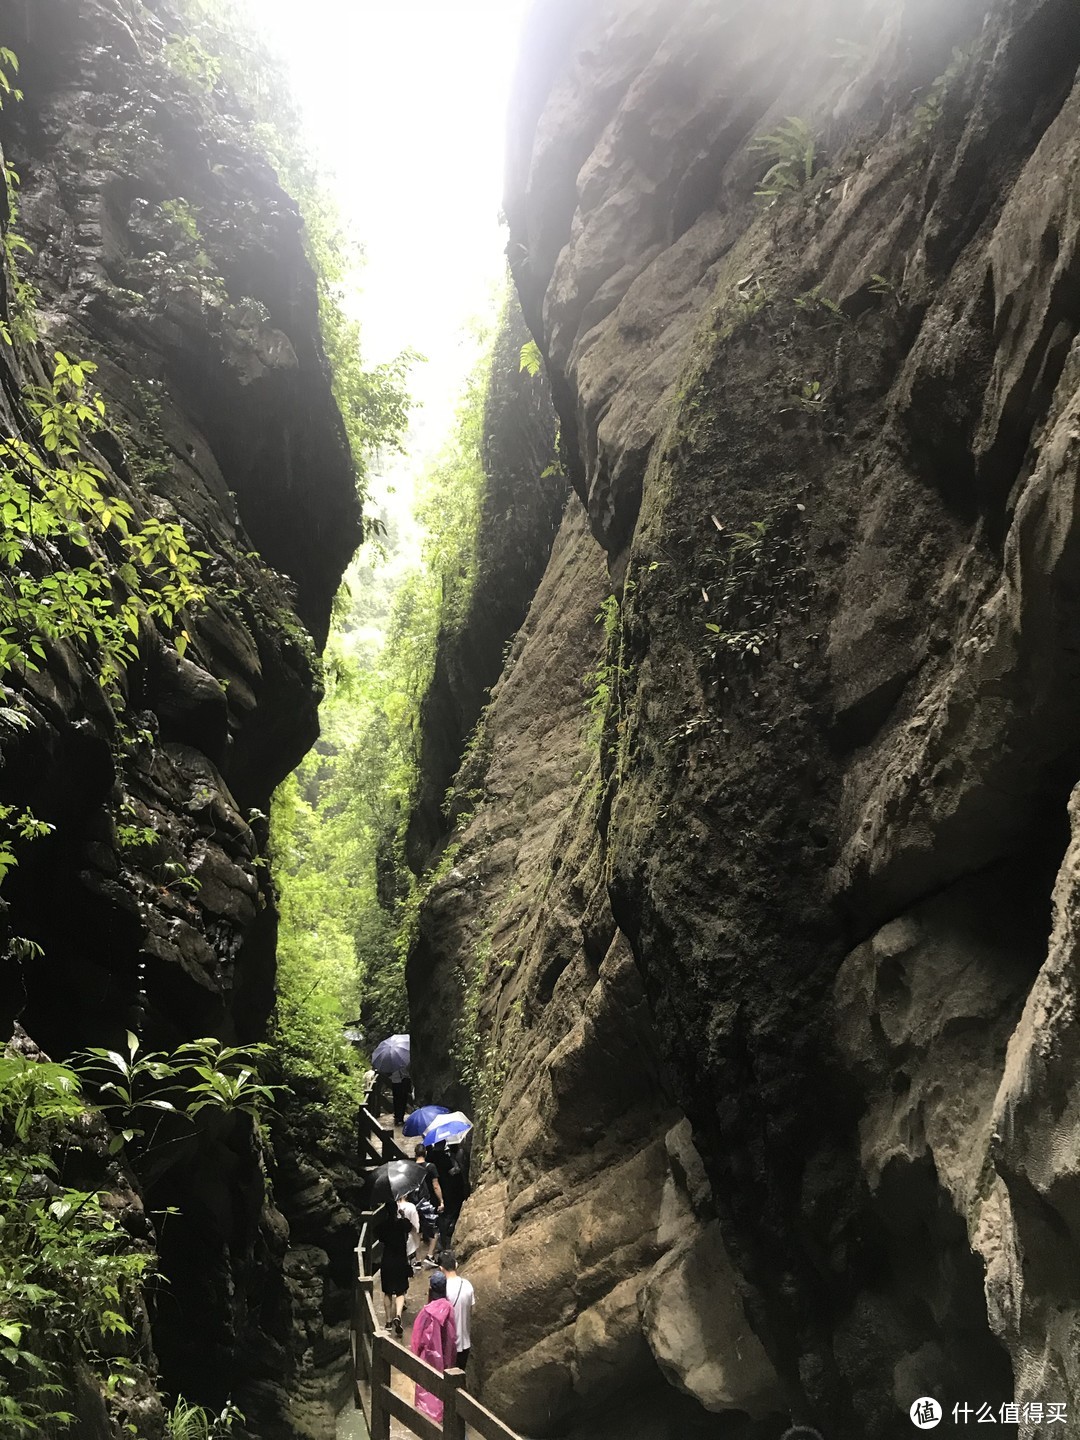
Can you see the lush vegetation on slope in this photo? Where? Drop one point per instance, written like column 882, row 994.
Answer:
column 348, row 901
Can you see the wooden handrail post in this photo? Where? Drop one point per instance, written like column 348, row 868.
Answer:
column 453, row 1424
column 380, row 1377
column 355, row 1342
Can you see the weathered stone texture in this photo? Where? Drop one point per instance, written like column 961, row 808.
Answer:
column 835, row 776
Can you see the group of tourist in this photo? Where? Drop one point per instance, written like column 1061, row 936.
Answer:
column 408, row 1229
column 441, row 1331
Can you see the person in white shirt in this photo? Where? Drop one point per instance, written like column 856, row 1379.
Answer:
column 461, row 1295
column 409, row 1210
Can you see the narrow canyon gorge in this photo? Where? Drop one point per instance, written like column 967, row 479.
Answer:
column 743, row 833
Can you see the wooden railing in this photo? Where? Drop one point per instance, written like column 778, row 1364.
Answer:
column 376, row 1357
column 375, row 1143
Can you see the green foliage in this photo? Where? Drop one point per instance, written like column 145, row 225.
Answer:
column 751, row 298
column 531, row 359
column 601, row 682
column 135, row 837
column 792, row 148
column 809, row 396
column 191, row 60
column 9, row 67
column 15, row 825
column 69, row 1274
column 186, row 263
column 192, row 1422
column 930, row 109
column 200, row 1074
column 53, row 502
column 816, row 306
column 347, row 915
column 319, row 865
column 749, row 577
column 76, row 566
column 887, row 289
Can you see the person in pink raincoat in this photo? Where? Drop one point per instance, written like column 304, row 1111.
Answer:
column 434, row 1339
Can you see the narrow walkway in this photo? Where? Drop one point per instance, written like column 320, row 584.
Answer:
column 414, row 1301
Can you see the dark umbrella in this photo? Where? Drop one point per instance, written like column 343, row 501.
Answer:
column 391, row 1054
column 396, row 1178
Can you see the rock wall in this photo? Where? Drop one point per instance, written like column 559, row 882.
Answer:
column 164, row 249
column 803, row 894
column 524, row 496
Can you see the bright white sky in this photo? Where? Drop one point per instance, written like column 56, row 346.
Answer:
column 405, row 102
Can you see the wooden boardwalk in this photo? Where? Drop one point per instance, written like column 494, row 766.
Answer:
column 384, row 1370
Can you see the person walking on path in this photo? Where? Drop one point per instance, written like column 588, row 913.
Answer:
column 429, row 1205
column 452, row 1181
column 401, row 1086
column 396, row 1226
column 434, row 1339
column 461, row 1295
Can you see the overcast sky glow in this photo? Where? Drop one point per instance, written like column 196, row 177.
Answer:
column 405, row 103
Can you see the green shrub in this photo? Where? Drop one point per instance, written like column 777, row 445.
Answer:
column 792, row 148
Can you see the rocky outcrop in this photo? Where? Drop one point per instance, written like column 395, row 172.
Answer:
column 590, row 1209
column 163, row 249
column 824, row 438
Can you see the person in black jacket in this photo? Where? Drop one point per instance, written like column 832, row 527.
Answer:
column 396, row 1223
column 452, row 1183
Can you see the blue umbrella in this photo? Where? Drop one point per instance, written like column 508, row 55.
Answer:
column 390, row 1055
column 454, row 1126
column 419, row 1120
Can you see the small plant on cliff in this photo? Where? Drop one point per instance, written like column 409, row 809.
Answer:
column 187, row 57
column 199, row 1075
column 792, row 148
column 814, row 305
column 15, row 825
column 600, row 683
column 887, row 290
column 531, row 361
column 136, row 837
column 808, row 396
column 9, row 68
column 930, row 109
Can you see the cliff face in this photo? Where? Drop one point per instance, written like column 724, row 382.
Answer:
column 524, row 494
column 826, row 445
column 164, row 250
